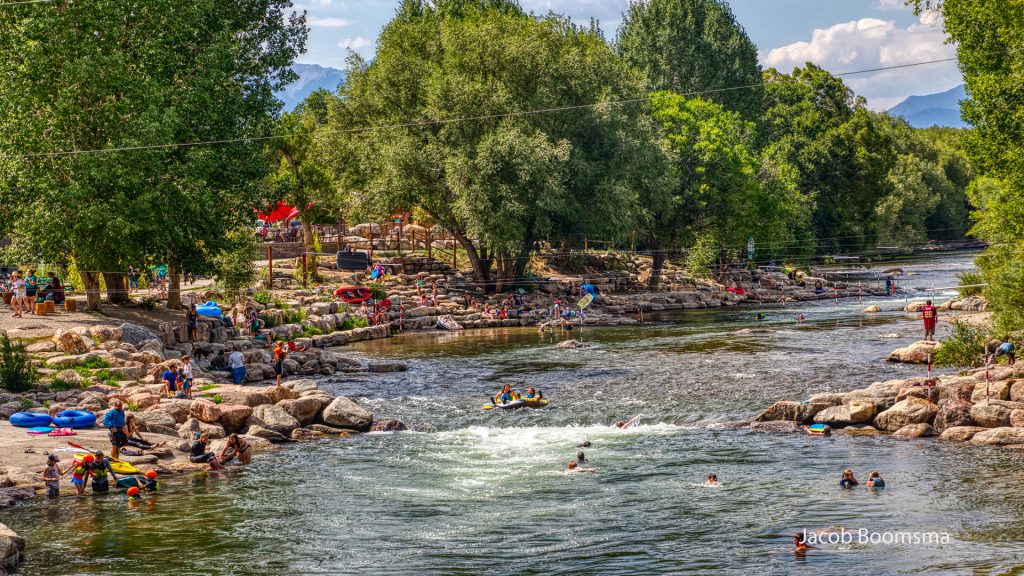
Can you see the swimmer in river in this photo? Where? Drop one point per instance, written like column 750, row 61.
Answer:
column 623, row 425
column 799, row 318
column 574, row 467
column 759, row 317
column 801, row 544
column 586, row 444
column 848, row 480
column 581, row 458
column 712, row 481
column 875, row 480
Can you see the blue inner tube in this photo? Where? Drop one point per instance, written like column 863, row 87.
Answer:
column 209, row 309
column 30, row 419
column 75, row 419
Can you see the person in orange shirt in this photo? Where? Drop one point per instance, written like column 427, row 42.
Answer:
column 931, row 316
column 279, row 355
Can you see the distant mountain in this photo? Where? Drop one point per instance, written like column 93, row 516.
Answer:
column 942, row 109
column 311, row 77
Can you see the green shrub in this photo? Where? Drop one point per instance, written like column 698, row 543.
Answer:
column 17, row 374
column 58, row 385
column 968, row 279
column 309, row 331
column 206, row 387
column 378, row 291
column 962, row 348
column 701, row 257
column 262, row 296
column 217, row 398
column 24, row 405
column 292, row 316
column 352, row 322
column 95, row 363
column 132, row 407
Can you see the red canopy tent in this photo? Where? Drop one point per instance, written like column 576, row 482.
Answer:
column 281, row 212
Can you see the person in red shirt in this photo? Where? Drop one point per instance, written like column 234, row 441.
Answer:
column 931, row 316
column 280, row 353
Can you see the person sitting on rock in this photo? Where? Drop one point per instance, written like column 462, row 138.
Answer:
column 236, row 446
column 135, row 438
column 848, row 481
column 170, row 379
column 199, row 455
column 875, row 480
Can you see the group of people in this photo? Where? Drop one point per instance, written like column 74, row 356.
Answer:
column 27, row 290
column 175, row 377
column 96, row 468
column 874, row 481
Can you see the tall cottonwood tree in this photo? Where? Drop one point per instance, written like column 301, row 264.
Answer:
column 112, row 74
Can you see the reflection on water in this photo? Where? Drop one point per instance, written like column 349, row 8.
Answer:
column 471, row 492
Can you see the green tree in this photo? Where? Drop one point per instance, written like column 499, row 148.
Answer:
column 113, row 74
column 504, row 179
column 690, row 46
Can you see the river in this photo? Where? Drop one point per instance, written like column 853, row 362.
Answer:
column 474, row 492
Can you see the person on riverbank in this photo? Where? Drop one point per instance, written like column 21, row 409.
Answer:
column 170, row 379
column 931, row 317
column 80, row 473
column 280, row 354
column 18, row 300
column 848, row 481
column 237, row 364
column 52, row 475
column 135, row 438
column 31, row 289
column 875, row 480
column 114, row 420
column 186, row 376
column 574, row 467
column 1007, row 349
column 192, row 319
column 198, row 453
column 236, row 447
column 100, row 469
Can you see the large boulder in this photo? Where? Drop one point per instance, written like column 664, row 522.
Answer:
column 389, row 425
column 11, row 547
column 909, row 411
column 790, row 410
column 344, row 412
column 990, row 415
column 68, row 377
column 71, row 342
column 157, row 422
column 961, row 433
column 860, row 430
column 300, row 386
column 248, row 396
column 204, row 410
column 916, row 353
column 381, row 367
column 856, row 412
column 305, row 410
column 273, row 417
column 105, row 333
column 999, row 436
column 135, row 335
column 952, row 413
column 176, row 407
column 881, row 394
column 143, row 400
column 999, row 390
column 234, row 416
column 914, row 431
column 191, row 426
column 264, row 433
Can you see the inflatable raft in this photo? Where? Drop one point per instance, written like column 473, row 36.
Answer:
column 30, row 419
column 353, row 294
column 446, row 322
column 210, row 309
column 75, row 419
column 518, row 402
column 118, row 466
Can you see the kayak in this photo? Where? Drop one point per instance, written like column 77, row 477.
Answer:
column 518, row 403
column 118, row 466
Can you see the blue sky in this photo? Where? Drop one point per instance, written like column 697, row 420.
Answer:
column 840, row 35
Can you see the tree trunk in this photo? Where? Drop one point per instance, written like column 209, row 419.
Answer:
column 117, row 288
column 307, row 237
column 481, row 263
column 657, row 264
column 502, row 263
column 173, row 287
column 91, row 284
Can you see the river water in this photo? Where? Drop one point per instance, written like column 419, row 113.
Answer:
column 474, row 492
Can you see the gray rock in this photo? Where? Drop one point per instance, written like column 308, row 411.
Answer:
column 909, row 411
column 856, row 412
column 344, row 412
column 990, row 415
column 790, row 411
column 258, row 431
column 135, row 335
column 156, row 422
column 191, row 426
column 273, row 417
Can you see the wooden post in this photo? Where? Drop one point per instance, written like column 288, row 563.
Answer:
column 399, row 238
column 371, row 242
column 270, row 266
column 304, row 270
column 429, row 248
column 455, row 254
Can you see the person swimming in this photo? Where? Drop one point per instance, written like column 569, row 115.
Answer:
column 800, row 543
column 623, row 425
column 848, row 481
column 574, row 467
column 712, row 481
column 759, row 317
column 581, row 458
column 585, row 444
column 875, row 480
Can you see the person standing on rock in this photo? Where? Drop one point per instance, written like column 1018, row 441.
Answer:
column 114, row 420
column 279, row 357
column 186, row 376
column 51, row 476
column 192, row 318
column 930, row 316
column 237, row 364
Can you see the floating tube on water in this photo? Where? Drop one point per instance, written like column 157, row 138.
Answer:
column 209, row 309
column 817, row 429
column 40, row 430
column 75, row 419
column 30, row 419
column 353, row 294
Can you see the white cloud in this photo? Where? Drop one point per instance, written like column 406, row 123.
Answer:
column 327, row 22
column 872, row 43
column 354, row 43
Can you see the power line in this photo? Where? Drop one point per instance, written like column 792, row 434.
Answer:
column 2, row 4
column 427, row 123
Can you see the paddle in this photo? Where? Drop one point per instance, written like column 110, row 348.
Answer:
column 89, row 450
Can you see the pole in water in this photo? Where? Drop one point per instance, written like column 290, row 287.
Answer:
column 860, row 293
column 837, row 296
